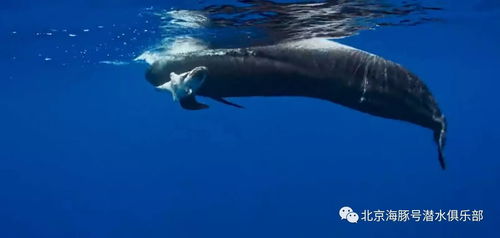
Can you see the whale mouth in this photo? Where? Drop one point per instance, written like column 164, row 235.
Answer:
column 197, row 74
column 186, row 84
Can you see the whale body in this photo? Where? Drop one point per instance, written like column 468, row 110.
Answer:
column 316, row 68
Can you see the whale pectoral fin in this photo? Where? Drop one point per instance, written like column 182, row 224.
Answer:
column 190, row 103
column 222, row 100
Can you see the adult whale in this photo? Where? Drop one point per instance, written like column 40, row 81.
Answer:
column 316, row 68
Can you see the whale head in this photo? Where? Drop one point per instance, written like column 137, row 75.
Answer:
column 185, row 84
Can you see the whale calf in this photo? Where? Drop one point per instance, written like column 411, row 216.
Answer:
column 316, row 68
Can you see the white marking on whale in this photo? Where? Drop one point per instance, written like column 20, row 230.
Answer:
column 185, row 84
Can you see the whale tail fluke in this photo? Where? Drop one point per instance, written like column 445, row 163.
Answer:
column 440, row 139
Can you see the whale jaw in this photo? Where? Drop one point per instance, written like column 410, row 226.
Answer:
column 185, row 84
column 184, row 87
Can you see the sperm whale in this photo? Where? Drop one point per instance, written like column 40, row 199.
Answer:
column 316, row 68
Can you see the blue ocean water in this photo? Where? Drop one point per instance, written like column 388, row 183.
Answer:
column 89, row 149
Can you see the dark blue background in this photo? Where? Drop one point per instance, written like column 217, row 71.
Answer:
column 94, row 151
